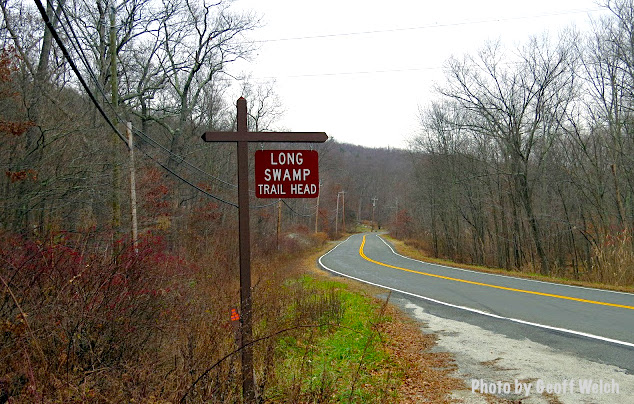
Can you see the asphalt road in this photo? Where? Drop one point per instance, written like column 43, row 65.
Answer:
column 592, row 323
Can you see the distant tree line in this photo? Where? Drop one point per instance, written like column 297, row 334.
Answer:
column 526, row 158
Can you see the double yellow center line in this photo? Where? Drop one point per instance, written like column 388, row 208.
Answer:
column 362, row 254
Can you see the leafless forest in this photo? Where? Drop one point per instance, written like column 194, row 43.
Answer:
column 524, row 161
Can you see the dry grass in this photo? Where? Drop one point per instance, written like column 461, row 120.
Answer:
column 613, row 260
column 417, row 250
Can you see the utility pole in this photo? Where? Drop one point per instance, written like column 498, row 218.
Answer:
column 337, row 216
column 135, row 231
column 396, row 220
column 116, row 203
column 343, row 215
column 373, row 207
column 317, row 211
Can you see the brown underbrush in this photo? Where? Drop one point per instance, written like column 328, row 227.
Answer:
column 86, row 320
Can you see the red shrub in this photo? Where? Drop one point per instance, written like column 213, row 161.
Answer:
column 86, row 309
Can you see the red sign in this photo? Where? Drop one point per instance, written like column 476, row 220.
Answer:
column 286, row 174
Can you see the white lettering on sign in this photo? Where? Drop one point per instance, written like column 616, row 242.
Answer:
column 271, row 189
column 286, row 173
column 287, row 158
column 303, row 189
column 281, row 190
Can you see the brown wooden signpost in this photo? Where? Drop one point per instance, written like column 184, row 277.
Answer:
column 242, row 137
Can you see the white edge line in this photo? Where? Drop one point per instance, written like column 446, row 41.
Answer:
column 500, row 275
column 515, row 320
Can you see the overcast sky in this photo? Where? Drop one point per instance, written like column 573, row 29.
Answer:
column 359, row 70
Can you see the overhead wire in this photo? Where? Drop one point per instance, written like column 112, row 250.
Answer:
column 429, row 26
column 100, row 109
column 78, row 49
column 73, row 66
column 352, row 73
column 204, row 192
column 139, row 133
column 294, row 211
column 148, row 139
column 263, row 206
column 396, row 30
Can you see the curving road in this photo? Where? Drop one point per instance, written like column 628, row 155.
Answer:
column 594, row 323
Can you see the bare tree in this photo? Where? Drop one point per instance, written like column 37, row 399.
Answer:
column 264, row 104
column 510, row 114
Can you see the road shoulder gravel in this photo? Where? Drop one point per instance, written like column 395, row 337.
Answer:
column 487, row 361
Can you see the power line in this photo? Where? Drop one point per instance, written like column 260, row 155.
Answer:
column 406, row 70
column 430, row 26
column 294, row 211
column 175, row 156
column 146, row 137
column 263, row 206
column 78, row 48
column 169, row 170
column 73, row 66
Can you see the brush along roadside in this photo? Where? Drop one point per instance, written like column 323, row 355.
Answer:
column 415, row 249
column 78, row 325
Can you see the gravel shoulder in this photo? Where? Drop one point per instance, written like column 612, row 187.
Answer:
column 497, row 368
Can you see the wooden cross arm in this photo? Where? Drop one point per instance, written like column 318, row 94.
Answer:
column 284, row 137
